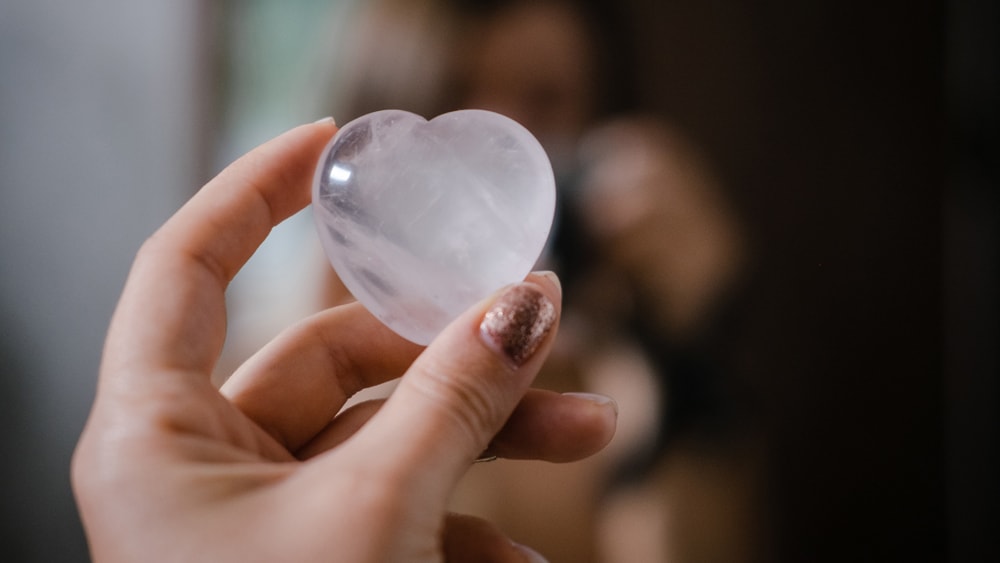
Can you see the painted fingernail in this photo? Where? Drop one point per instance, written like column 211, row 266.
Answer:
column 529, row 554
column 518, row 322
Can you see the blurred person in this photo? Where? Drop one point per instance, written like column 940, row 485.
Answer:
column 644, row 241
column 171, row 468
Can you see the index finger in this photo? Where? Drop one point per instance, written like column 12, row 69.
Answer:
column 172, row 312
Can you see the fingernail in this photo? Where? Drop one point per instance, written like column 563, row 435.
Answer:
column 602, row 400
column 518, row 322
column 325, row 120
column 530, row 554
column 552, row 277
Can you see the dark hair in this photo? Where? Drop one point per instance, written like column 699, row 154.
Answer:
column 609, row 33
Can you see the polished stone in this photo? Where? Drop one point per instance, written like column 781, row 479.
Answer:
column 422, row 219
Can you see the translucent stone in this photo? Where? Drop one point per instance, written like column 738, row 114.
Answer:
column 422, row 219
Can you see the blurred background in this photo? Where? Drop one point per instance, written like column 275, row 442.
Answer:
column 778, row 232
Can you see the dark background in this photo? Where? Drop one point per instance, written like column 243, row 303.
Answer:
column 859, row 142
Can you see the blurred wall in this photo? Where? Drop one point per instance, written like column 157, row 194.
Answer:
column 101, row 136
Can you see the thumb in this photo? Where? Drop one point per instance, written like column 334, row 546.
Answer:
column 457, row 395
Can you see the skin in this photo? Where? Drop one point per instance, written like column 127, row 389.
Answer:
column 169, row 468
column 532, row 63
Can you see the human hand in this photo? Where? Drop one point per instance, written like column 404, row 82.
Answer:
column 169, row 468
column 659, row 214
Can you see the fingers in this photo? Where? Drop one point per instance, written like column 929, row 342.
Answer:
column 172, row 315
column 340, row 429
column 558, row 428
column 544, row 426
column 470, row 539
column 294, row 386
column 461, row 390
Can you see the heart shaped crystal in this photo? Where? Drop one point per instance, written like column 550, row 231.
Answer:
column 422, row 219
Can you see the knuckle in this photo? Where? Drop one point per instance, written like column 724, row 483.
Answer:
column 474, row 404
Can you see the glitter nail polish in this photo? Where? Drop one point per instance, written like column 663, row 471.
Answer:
column 518, row 322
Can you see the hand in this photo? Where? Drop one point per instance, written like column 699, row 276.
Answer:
column 658, row 213
column 171, row 468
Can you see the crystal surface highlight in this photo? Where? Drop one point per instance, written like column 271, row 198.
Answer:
column 422, row 219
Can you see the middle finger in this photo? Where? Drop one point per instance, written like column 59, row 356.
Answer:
column 293, row 387
column 545, row 425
